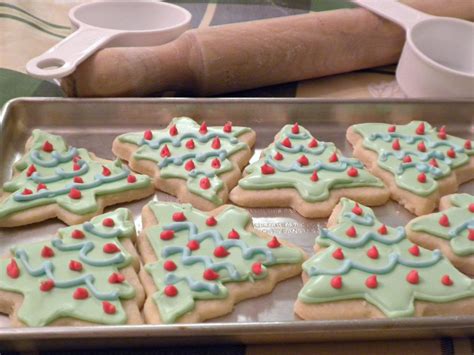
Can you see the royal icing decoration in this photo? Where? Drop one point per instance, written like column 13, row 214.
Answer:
column 455, row 224
column 64, row 175
column 74, row 277
column 195, row 153
column 201, row 258
column 379, row 268
column 312, row 167
column 416, row 154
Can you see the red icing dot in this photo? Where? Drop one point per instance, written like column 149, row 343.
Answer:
column 278, row 156
column 31, row 170
column 314, row 176
column 78, row 180
column 227, row 127
column 220, row 252
column 169, row 265
column 77, row 234
column 333, row 158
column 216, row 163
column 352, row 172
column 108, row 307
column 336, row 282
column 13, row 271
column 371, row 281
column 442, row 133
column 216, row 143
column 421, row 178
column 295, row 129
column 303, row 160
column 210, row 274
column 313, row 143
column 80, row 293
column 338, row 254
column 267, row 169
column 382, row 229
column 451, row 153
column 414, row 250
column 446, row 280
column 167, row 235
column 110, row 248
column 351, row 232
column 373, row 252
column 108, row 222
column 26, row 192
column 47, row 252
column 468, row 144
column 41, row 186
column 171, row 291
column 116, row 278
column 233, row 234
column 420, row 129
column 407, row 159
column 286, row 142
column 76, row 167
column 48, row 147
column 75, row 194
column 46, row 285
column 211, row 221
column 148, row 135
column 257, row 268
column 357, row 210
column 413, row 277
column 421, row 146
column 274, row 243
column 190, row 144
column 434, row 163
column 396, row 144
column 193, row 245
column 76, row 158
column 173, row 130
column 131, row 179
column 391, row 129
column 75, row 265
column 444, row 221
column 165, row 152
column 471, row 235
column 203, row 128
column 471, row 207
column 205, row 183
column 189, row 165
column 179, row 217
column 106, row 171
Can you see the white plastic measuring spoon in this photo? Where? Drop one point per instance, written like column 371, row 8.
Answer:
column 111, row 23
column 438, row 56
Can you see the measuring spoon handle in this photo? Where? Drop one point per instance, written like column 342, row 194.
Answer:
column 395, row 11
column 62, row 59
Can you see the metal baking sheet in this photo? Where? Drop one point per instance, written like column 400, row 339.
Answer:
column 93, row 124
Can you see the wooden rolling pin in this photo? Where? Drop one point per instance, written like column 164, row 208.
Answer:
column 247, row 55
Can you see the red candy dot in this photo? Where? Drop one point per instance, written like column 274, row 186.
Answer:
column 303, row 160
column 396, row 144
column 13, row 271
column 106, row 171
column 116, row 278
column 336, row 282
column 173, row 130
column 41, row 186
column 446, row 280
column 47, row 252
column 314, row 176
column 338, row 254
column 286, row 142
column 382, row 229
column 216, row 163
column 110, row 248
column 295, row 129
column 471, row 207
column 421, row 178
column 407, row 159
column 189, row 165
column 220, row 252
column 131, row 179
column 444, row 221
column 274, row 243
column 391, row 129
column 267, row 169
column 46, row 285
column 148, row 135
column 352, row 172
column 373, row 252
column 420, row 129
column 313, row 143
column 26, row 192
column 442, row 133
column 211, row 221
column 78, row 180
column 193, row 245
column 413, row 277
column 76, row 167
column 167, row 235
column 179, row 217
column 421, row 146
column 351, row 232
column 278, row 156
column 216, row 143
column 451, row 153
column 357, row 210
column 414, row 250
column 76, row 158
column 171, row 291
column 190, row 144
column 108, row 222
column 48, row 147
column 165, row 152
column 210, row 274
column 471, row 235
column 75, row 265
column 31, row 170
column 203, row 128
column 233, row 234
column 205, row 183
column 434, row 163
column 468, row 144
column 108, row 307
column 371, row 281
column 257, row 268
column 77, row 234
column 333, row 158
column 80, row 293
column 227, row 127
column 169, row 265
column 75, row 194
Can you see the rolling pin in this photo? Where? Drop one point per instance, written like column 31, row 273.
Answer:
column 247, row 55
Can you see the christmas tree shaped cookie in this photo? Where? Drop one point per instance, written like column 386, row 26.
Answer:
column 365, row 269
column 451, row 230
column 54, row 180
column 416, row 161
column 309, row 175
column 85, row 276
column 199, row 264
column 196, row 163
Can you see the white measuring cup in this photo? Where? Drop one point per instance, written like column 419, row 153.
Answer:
column 112, row 24
column 438, row 56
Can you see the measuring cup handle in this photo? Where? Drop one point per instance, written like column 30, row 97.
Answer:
column 62, row 59
column 395, row 11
